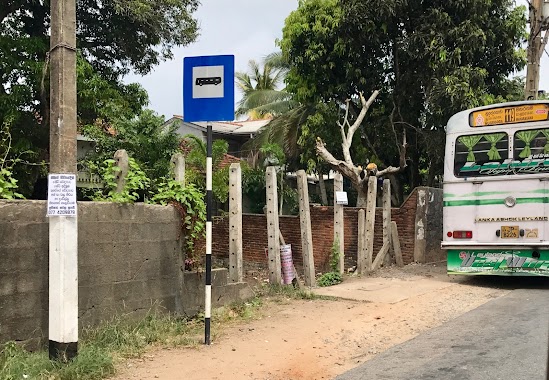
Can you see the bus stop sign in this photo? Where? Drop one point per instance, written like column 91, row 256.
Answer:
column 208, row 88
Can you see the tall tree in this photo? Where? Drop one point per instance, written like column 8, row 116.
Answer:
column 113, row 37
column 428, row 59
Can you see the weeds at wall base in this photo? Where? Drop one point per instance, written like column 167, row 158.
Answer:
column 102, row 348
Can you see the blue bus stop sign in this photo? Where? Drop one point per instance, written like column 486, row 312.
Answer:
column 208, row 88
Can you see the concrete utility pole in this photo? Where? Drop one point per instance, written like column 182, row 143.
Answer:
column 63, row 246
column 536, row 45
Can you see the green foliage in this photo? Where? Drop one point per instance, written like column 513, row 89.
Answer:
column 135, row 187
column 122, row 34
column 253, row 187
column 428, row 60
column 99, row 348
column 101, row 100
column 113, row 38
column 288, row 292
column 260, row 94
column 334, row 255
column 329, row 279
column 189, row 201
column 333, row 277
column 253, row 180
column 8, row 184
column 145, row 138
column 196, row 166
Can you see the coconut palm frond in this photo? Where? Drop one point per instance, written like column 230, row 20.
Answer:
column 277, row 61
column 265, row 102
column 196, row 142
column 283, row 130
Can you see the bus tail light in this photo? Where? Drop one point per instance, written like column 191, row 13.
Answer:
column 463, row 234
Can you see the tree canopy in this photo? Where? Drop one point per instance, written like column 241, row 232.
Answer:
column 113, row 38
column 429, row 59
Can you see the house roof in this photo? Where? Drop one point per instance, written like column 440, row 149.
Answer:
column 228, row 160
column 245, row 127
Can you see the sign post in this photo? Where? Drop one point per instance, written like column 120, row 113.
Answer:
column 208, row 95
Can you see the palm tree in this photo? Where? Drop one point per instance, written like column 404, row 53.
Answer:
column 261, row 96
column 288, row 115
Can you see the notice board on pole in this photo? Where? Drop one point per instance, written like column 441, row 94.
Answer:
column 61, row 195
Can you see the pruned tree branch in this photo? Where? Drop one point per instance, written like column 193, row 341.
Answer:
column 343, row 167
column 347, row 167
column 348, row 138
column 356, row 174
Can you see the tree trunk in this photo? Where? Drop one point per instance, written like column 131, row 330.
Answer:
column 323, row 194
column 431, row 175
column 362, row 197
column 396, row 191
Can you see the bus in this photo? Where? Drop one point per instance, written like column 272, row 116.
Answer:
column 496, row 190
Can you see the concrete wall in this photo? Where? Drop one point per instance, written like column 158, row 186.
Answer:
column 429, row 214
column 129, row 261
column 255, row 233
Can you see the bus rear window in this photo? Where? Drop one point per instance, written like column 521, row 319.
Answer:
column 531, row 151
column 480, row 155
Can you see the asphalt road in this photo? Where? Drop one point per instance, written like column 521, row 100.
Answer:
column 506, row 338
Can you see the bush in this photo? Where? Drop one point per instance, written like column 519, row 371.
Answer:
column 329, row 279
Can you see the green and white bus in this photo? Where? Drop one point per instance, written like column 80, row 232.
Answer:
column 496, row 190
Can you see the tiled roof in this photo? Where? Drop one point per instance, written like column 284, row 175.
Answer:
column 228, row 160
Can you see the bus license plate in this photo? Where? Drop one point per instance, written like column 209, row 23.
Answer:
column 509, row 232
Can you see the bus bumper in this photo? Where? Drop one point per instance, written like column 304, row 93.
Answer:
column 503, row 262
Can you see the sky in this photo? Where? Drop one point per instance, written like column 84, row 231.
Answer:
column 246, row 29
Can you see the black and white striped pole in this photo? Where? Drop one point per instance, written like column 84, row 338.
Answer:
column 208, row 301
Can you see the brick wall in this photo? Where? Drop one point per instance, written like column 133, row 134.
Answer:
column 254, row 235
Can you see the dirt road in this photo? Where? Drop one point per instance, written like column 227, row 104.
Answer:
column 320, row 339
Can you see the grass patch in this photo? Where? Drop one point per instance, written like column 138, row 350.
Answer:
column 101, row 348
column 286, row 291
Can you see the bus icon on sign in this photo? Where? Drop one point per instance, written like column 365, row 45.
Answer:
column 208, row 80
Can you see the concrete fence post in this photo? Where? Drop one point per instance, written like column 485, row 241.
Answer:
column 339, row 222
column 387, row 219
column 361, row 251
column 306, row 231
column 273, row 230
column 122, row 162
column 235, row 223
column 178, row 162
column 370, row 221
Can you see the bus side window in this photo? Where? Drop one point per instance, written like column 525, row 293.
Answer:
column 531, row 142
column 472, row 151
